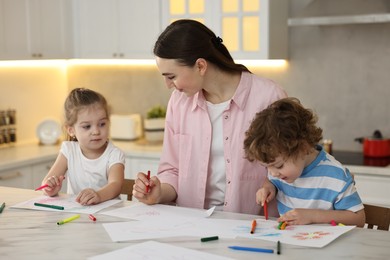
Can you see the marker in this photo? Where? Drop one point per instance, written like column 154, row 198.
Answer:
column 340, row 224
column 61, row 222
column 147, row 187
column 254, row 223
column 42, row 187
column 282, row 225
column 333, row 223
column 2, row 207
column 265, row 210
column 206, row 239
column 48, row 206
column 278, row 248
column 252, row 249
column 92, row 217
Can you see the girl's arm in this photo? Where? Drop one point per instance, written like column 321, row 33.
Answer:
column 110, row 191
column 55, row 176
column 320, row 216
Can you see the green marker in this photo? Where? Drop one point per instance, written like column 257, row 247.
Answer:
column 48, row 206
column 206, row 239
column 2, row 207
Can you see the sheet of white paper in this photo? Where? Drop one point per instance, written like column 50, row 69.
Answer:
column 150, row 229
column 300, row 235
column 303, row 235
column 146, row 229
column 156, row 250
column 67, row 201
column 141, row 211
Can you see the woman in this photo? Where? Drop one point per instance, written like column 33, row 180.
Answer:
column 203, row 162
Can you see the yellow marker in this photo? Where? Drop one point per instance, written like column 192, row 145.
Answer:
column 340, row 224
column 61, row 222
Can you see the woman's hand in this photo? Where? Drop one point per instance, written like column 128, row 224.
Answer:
column 146, row 195
column 54, row 185
column 88, row 197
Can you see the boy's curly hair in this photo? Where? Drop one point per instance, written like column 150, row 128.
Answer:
column 285, row 128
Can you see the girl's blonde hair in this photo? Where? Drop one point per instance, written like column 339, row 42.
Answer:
column 78, row 99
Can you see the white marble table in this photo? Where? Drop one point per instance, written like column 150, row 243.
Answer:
column 30, row 234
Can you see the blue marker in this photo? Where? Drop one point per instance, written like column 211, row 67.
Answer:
column 252, row 249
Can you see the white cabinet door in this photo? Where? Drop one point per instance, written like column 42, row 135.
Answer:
column 50, row 25
column 117, row 28
column 135, row 165
column 373, row 189
column 35, row 29
column 19, row 177
column 250, row 29
column 97, row 28
column 14, row 42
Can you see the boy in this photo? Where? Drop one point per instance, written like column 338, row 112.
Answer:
column 310, row 185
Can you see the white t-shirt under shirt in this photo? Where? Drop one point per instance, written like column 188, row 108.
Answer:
column 216, row 178
column 89, row 173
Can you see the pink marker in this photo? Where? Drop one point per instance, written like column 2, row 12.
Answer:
column 42, row 187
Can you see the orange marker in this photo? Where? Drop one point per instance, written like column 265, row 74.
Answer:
column 265, row 210
column 254, row 223
column 147, row 187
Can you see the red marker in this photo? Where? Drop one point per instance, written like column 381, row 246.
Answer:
column 265, row 210
column 42, row 187
column 147, row 187
column 92, row 217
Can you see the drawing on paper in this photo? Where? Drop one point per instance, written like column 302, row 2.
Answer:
column 311, row 235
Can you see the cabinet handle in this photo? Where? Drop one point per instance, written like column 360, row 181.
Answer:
column 11, row 175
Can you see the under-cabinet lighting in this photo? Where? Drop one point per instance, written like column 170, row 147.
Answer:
column 132, row 62
column 32, row 63
column 137, row 62
column 263, row 63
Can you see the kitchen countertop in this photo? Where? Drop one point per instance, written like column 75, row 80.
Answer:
column 23, row 155
column 358, row 164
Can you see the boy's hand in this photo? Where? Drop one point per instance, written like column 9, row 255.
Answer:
column 263, row 195
column 266, row 193
column 297, row 217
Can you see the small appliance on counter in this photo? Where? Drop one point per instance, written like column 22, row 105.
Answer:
column 126, row 127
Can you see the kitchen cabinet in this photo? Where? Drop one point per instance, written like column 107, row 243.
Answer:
column 28, row 176
column 250, row 29
column 116, row 28
column 35, row 29
column 326, row 13
column 373, row 189
column 19, row 177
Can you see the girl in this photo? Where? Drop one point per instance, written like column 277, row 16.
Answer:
column 93, row 165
